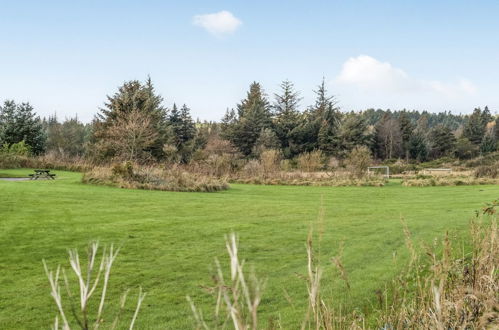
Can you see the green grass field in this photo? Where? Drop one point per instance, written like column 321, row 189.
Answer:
column 169, row 240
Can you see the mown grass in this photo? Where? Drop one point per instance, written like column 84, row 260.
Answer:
column 169, row 241
column 11, row 174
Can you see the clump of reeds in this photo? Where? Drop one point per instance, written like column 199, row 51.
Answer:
column 74, row 310
column 237, row 297
column 450, row 289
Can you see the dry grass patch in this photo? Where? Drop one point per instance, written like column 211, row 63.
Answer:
column 131, row 176
column 428, row 181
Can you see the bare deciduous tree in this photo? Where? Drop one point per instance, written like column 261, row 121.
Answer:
column 132, row 135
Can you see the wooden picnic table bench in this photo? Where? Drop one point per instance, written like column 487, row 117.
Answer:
column 42, row 174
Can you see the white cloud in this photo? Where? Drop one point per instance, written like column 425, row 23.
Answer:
column 218, row 24
column 369, row 74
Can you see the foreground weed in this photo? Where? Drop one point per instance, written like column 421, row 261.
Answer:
column 88, row 280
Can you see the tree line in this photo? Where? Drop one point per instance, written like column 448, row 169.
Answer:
column 135, row 125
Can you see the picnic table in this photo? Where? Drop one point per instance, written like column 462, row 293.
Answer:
column 44, row 174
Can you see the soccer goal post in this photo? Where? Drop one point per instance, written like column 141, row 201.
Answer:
column 373, row 168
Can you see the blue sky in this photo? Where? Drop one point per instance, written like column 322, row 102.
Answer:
column 66, row 56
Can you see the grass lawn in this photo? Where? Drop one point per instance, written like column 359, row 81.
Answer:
column 169, row 240
column 14, row 174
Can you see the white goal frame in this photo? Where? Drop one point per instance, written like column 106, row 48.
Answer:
column 387, row 172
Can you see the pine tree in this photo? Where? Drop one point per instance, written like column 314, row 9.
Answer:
column 319, row 129
column 19, row 122
column 353, row 132
column 417, row 147
column 443, row 141
column 286, row 115
column 486, row 116
column 475, row 128
column 174, row 116
column 66, row 138
column 407, row 129
column 183, row 132
column 488, row 144
column 132, row 96
column 253, row 115
column 267, row 140
column 8, row 123
column 187, row 129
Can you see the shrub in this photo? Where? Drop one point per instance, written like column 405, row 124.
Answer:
column 220, row 165
column 132, row 176
column 253, row 168
column 171, row 153
column 311, row 161
column 270, row 161
column 485, row 171
column 465, row 149
column 16, row 149
column 358, row 161
column 286, row 165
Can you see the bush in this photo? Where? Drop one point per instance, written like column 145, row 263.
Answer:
column 465, row 149
column 359, row 160
column 270, row 161
column 253, row 168
column 311, row 161
column 485, row 171
column 132, row 176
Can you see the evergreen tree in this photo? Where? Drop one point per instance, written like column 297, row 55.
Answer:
column 475, row 128
column 465, row 149
column 66, row 138
column 7, row 122
column 174, row 117
column 488, row 144
column 19, row 122
column 183, row 132
column 417, row 147
column 443, row 141
column 496, row 129
column 319, row 129
column 286, row 115
column 131, row 97
column 253, row 115
column 486, row 116
column 267, row 140
column 227, row 125
column 353, row 132
column 327, row 115
column 187, row 129
column 406, row 129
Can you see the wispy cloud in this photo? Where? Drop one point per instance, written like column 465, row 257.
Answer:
column 368, row 73
column 219, row 24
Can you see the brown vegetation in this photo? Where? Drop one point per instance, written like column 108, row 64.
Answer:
column 128, row 175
